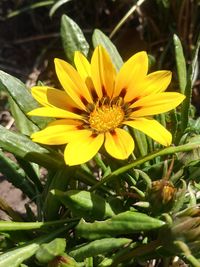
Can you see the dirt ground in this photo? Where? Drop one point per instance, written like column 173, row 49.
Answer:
column 12, row 196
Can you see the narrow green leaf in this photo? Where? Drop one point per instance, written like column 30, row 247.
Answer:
column 97, row 247
column 22, row 122
column 23, row 147
column 29, row 169
column 49, row 251
column 188, row 90
column 84, row 204
column 180, row 64
column 21, row 96
column 16, row 256
column 99, row 38
column 60, row 180
column 58, row 4
column 123, row 223
column 16, row 176
column 141, row 141
column 72, row 38
column 180, row 197
column 25, row 226
column 192, row 157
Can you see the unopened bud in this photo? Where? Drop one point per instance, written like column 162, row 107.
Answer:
column 161, row 195
column 63, row 261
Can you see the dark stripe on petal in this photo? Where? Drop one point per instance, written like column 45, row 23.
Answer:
column 94, row 135
column 76, row 111
column 123, row 92
column 135, row 109
column 80, row 127
column 104, row 91
column 94, row 94
column 83, row 100
column 113, row 132
column 134, row 100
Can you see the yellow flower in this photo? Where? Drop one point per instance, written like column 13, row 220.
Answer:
column 97, row 102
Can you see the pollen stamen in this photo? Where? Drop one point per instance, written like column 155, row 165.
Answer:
column 106, row 117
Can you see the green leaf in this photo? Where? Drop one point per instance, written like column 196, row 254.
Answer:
column 23, row 124
column 123, row 223
column 180, row 197
column 99, row 38
column 23, row 147
column 72, row 38
column 97, row 247
column 16, row 256
column 21, row 96
column 32, row 171
column 16, row 176
column 188, row 90
column 25, row 226
column 60, row 180
column 180, row 64
column 84, row 204
column 58, row 4
column 49, row 251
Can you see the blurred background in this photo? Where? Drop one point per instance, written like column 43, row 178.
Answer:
column 30, row 32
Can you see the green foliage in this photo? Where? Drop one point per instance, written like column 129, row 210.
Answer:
column 106, row 212
column 72, row 38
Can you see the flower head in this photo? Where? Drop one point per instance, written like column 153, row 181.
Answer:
column 97, row 102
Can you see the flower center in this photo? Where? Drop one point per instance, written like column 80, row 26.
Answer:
column 106, row 117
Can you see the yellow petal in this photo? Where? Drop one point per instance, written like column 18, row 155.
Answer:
column 153, row 129
column 83, row 148
column 72, row 83
column 50, row 97
column 57, row 132
column 155, row 82
column 119, row 144
column 132, row 72
column 54, row 113
column 84, row 69
column 156, row 104
column 103, row 72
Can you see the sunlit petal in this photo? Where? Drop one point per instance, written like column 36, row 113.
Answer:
column 84, row 69
column 103, row 72
column 119, row 144
column 130, row 75
column 50, row 97
column 57, row 132
column 84, row 148
column 72, row 83
column 153, row 129
column 54, row 113
column 155, row 82
column 156, row 104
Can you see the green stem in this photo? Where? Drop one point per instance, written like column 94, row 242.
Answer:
column 162, row 152
column 100, row 162
column 187, row 253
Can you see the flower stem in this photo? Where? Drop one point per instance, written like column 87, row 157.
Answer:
column 162, row 152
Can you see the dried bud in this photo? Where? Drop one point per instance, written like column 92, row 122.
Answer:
column 161, row 195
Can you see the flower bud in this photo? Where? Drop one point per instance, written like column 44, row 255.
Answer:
column 63, row 261
column 161, row 195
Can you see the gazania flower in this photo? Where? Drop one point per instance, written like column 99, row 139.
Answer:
column 97, row 102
